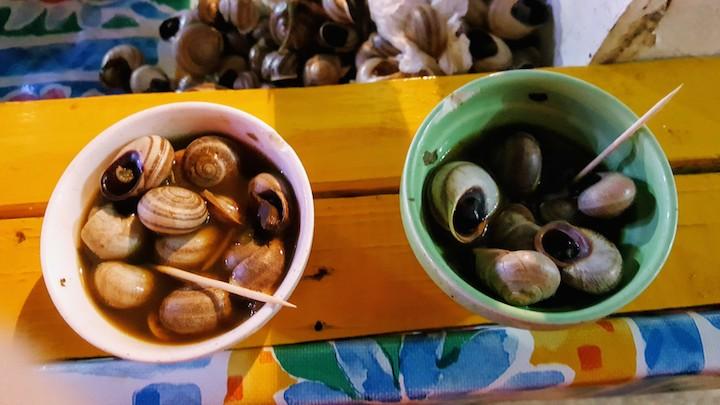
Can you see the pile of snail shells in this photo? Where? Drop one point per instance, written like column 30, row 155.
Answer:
column 239, row 44
column 151, row 202
column 523, row 259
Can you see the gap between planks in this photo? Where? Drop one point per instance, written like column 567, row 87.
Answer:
column 361, row 188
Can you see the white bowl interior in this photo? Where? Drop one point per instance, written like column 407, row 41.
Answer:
column 79, row 184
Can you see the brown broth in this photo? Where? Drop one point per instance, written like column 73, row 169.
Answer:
column 562, row 159
column 134, row 321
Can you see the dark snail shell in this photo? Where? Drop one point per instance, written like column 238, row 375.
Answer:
column 246, row 80
column 489, row 53
column 268, row 196
column 518, row 164
column 513, row 228
column 170, row 27
column 476, row 15
column 338, row 37
column 230, row 68
column 425, row 28
column 257, row 54
column 515, row 19
column 323, row 70
column 375, row 47
column 242, row 14
column 208, row 11
column 526, row 58
column 198, row 49
column 338, row 11
column 587, row 261
column 235, row 43
column 301, row 33
column 262, row 30
column 149, row 79
column 558, row 209
column 117, row 66
column 279, row 67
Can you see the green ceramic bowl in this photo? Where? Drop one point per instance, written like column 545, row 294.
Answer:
column 583, row 114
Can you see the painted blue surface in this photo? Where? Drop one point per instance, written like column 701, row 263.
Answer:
column 368, row 369
column 306, row 392
column 534, row 380
column 168, row 394
column 713, row 318
column 672, row 344
column 84, row 55
column 90, row 16
column 123, row 368
column 148, row 10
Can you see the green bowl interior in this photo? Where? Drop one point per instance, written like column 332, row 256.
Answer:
column 574, row 109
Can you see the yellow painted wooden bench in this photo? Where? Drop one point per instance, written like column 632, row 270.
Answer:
column 353, row 140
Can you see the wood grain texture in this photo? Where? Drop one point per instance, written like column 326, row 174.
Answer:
column 362, row 277
column 351, row 135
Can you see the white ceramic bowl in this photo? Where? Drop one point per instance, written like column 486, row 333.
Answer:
column 79, row 184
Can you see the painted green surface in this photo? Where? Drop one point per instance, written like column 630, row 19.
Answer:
column 120, row 21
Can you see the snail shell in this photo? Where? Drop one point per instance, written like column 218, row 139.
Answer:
column 340, row 38
column 558, row 209
column 188, row 251
column 172, row 210
column 246, row 80
column 301, row 33
column 587, row 261
column 520, row 278
column 609, row 197
column 169, row 28
column 192, row 311
column 223, row 208
column 526, row 58
column 208, row 11
column 269, row 197
column 257, row 54
column 513, row 228
column 243, row 246
column 338, row 11
column 463, row 198
column 121, row 285
column 476, row 15
column 140, row 165
column 262, row 270
column 489, row 53
column 149, row 79
column 190, row 83
column 518, row 164
column 236, row 43
column 376, row 69
column 425, row 28
column 156, row 328
column 229, row 70
column 375, row 47
column 280, row 66
column 209, row 160
column 117, row 66
column 515, row 19
column 111, row 236
column 323, row 70
column 243, row 14
column 198, row 49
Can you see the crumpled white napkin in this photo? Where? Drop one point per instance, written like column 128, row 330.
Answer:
column 390, row 16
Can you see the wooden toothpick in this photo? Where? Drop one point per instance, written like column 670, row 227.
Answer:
column 212, row 283
column 626, row 135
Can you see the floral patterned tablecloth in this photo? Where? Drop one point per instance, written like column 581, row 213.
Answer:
column 610, row 357
column 53, row 48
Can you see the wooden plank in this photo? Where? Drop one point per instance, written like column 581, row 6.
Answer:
column 350, row 136
column 362, row 277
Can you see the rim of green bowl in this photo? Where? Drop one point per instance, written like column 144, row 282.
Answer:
column 437, row 268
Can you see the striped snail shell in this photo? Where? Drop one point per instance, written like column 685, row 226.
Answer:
column 172, row 210
column 188, row 251
column 198, row 49
column 209, row 160
column 338, row 11
column 426, row 29
column 243, row 14
column 140, row 165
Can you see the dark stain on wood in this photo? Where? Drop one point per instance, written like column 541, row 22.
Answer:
column 696, row 166
column 20, row 237
column 319, row 275
column 319, row 326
